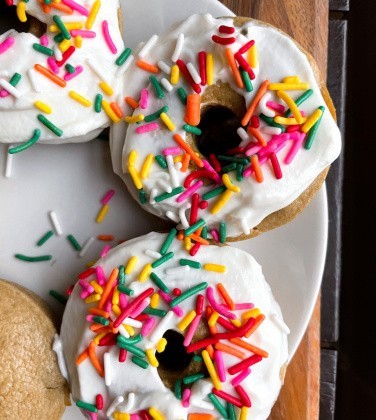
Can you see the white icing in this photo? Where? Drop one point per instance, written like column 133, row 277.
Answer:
column 18, row 116
column 278, row 57
column 243, row 280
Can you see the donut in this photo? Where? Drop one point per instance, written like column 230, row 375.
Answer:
column 149, row 332
column 31, row 384
column 59, row 81
column 210, row 134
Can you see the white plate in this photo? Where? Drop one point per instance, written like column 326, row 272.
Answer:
column 72, row 179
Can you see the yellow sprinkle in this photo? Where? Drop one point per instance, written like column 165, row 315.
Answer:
column 69, row 25
column 291, row 104
column 243, row 413
column 93, row 14
column 288, row 86
column 93, row 298
column 131, row 264
column 183, row 324
column 187, row 243
column 167, row 121
column 311, row 120
column 145, row 273
column 97, row 288
column 98, row 338
column 236, row 322
column 215, row 267
column 213, row 319
column 80, row 99
column 161, row 345
column 287, row 121
column 150, row 353
column 156, row 414
column 154, row 301
column 108, row 110
column 121, row 416
column 102, row 213
column 228, row 184
column 221, row 201
column 64, row 45
column 129, row 329
column 211, row 369
column 252, row 56
column 116, row 297
column 175, row 75
column 134, row 119
column 147, row 165
column 21, row 11
column 132, row 158
column 41, row 105
column 135, row 177
column 78, row 41
column 209, row 69
column 291, row 79
column 252, row 313
column 178, row 158
column 116, row 310
column 106, row 88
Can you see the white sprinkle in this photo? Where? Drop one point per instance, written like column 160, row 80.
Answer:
column 132, row 322
column 9, row 88
column 107, row 369
column 167, row 85
column 55, row 223
column 263, row 108
column 178, row 49
column 148, row 46
column 34, row 80
column 245, row 227
column 57, row 347
column 280, row 324
column 183, row 218
column 178, row 166
column 96, row 70
column 159, row 330
column 57, row 53
column 123, row 331
column 118, row 400
column 198, row 402
column 153, row 194
column 124, row 67
column 86, row 247
column 164, row 185
column 178, row 269
column 9, row 163
column 130, row 402
column 172, row 170
column 244, row 136
column 153, row 254
column 172, row 216
column 164, row 67
column 194, row 73
column 271, row 130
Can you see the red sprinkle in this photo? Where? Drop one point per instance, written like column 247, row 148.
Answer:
column 199, row 304
column 244, row 364
column 243, row 395
column 223, row 41
column 85, row 274
column 203, row 204
column 69, row 290
column 202, row 66
column 203, row 173
column 176, row 292
column 142, row 317
column 246, row 47
column 255, row 121
column 122, row 355
column 194, row 209
column 183, row 68
column 276, row 166
column 245, row 65
column 215, row 162
column 108, row 340
column 223, row 29
column 66, row 54
column 99, row 402
column 105, row 238
column 194, row 249
column 235, row 151
column 292, row 128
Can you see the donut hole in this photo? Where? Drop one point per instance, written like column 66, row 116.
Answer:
column 9, row 20
column 174, row 358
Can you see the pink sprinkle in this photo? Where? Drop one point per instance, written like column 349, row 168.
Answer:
column 44, row 40
column 93, row 416
column 84, row 294
column 77, row 7
column 89, row 318
column 105, row 251
column 189, row 191
column 211, row 169
column 217, row 307
column 147, row 327
column 107, row 37
column 144, row 98
column 215, row 234
column 171, row 151
column 52, row 65
column 294, row 136
column 294, row 149
column 86, row 286
column 135, row 417
column 139, row 308
column 220, row 365
column 107, row 197
column 191, row 331
column 167, row 298
column 6, row 44
column 186, row 397
column 123, row 301
column 101, row 277
column 272, row 146
column 147, row 127
column 243, row 306
column 4, row 93
column 70, row 76
column 240, row 378
column 108, row 306
column 82, row 33
column 276, row 106
column 254, row 149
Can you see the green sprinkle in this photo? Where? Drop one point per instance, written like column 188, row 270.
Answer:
column 50, row 125
column 140, row 362
column 98, row 103
column 58, row 296
column 132, row 340
column 191, row 129
column 45, row 1
column 194, row 227
column 44, row 50
column 15, row 79
column 86, row 406
column 33, row 259
column 157, row 312
column 126, row 290
column 167, row 243
column 157, row 87
column 27, row 144
column 101, row 320
column 177, row 390
column 70, row 69
column 231, row 411
column 190, row 263
column 166, row 195
column 121, row 275
column 131, row 348
column 142, row 196
column 45, row 238
column 188, row 293
column 182, row 95
column 157, row 114
column 161, row 161
column 222, row 232
column 270, row 121
column 193, row 378
column 62, row 27
column 300, row 100
column 242, row 161
column 229, row 168
column 59, row 38
column 123, row 57
column 312, row 132
column 222, row 411
column 204, row 233
column 159, row 282
column 214, row 193
column 162, row 260
column 247, row 80
column 197, row 358
column 74, row 242
column 239, row 172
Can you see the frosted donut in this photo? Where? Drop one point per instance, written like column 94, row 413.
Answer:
column 178, row 313
column 60, row 87
column 214, row 120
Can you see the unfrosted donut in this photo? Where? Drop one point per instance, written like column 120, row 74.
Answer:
column 226, row 340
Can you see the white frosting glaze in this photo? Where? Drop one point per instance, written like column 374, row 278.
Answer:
column 18, row 116
column 278, row 57
column 243, row 280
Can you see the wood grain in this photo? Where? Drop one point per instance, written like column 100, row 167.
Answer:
column 307, row 22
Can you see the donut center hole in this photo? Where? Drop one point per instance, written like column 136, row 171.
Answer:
column 174, row 358
column 9, row 20
column 218, row 126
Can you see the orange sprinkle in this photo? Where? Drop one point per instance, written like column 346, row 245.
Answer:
column 254, row 103
column 94, row 359
column 181, row 235
column 193, row 110
column 147, row 66
column 99, row 312
column 210, row 350
column 200, row 416
column 256, row 350
column 226, row 297
column 46, row 8
column 184, row 145
column 132, row 102
column 235, row 70
column 213, row 329
column 96, row 327
column 257, row 168
column 83, row 356
column 62, row 7
column 185, row 162
column 108, row 287
column 257, row 135
column 50, row 75
column 198, row 239
column 257, row 323
column 230, row 350
column 105, row 238
column 117, row 110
